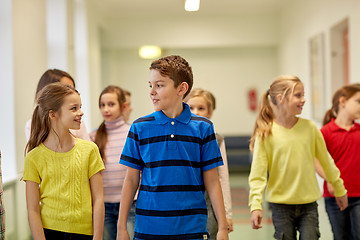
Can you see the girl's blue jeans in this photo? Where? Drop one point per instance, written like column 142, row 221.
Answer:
column 111, row 220
column 288, row 219
column 344, row 224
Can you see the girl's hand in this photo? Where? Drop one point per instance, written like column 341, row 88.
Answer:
column 222, row 235
column 342, row 202
column 256, row 218
column 122, row 235
column 230, row 225
column 330, row 188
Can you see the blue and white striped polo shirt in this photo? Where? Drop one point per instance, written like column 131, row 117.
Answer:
column 172, row 154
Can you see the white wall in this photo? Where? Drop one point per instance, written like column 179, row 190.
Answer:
column 94, row 61
column 193, row 31
column 229, row 55
column 300, row 21
column 30, row 61
column 227, row 72
column 7, row 126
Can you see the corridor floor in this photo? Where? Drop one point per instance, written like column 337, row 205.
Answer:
column 241, row 214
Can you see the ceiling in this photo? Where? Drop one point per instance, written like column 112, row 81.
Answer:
column 112, row 9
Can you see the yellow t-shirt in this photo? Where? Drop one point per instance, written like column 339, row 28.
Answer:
column 64, row 179
column 284, row 162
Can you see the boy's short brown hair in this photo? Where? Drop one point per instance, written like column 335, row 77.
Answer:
column 176, row 68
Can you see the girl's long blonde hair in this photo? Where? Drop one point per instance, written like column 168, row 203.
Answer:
column 51, row 97
column 282, row 85
column 346, row 92
column 101, row 133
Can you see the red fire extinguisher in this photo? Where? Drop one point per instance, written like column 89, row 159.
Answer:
column 252, row 99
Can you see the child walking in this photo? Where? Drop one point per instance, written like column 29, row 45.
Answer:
column 64, row 191
column 342, row 137
column 110, row 137
column 54, row 76
column 203, row 103
column 177, row 154
column 284, row 148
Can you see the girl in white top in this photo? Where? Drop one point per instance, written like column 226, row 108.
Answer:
column 53, row 76
column 203, row 103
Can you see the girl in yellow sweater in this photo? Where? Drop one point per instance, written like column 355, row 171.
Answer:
column 64, row 190
column 284, row 149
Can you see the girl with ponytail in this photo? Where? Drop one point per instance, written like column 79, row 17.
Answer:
column 54, row 76
column 284, row 148
column 342, row 137
column 110, row 137
column 64, row 193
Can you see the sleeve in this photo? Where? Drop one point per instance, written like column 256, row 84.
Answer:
column 131, row 156
column 258, row 175
column 224, row 181
column 95, row 162
column 210, row 152
column 31, row 172
column 332, row 173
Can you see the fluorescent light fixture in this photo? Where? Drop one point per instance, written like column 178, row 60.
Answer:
column 192, row 5
column 149, row 52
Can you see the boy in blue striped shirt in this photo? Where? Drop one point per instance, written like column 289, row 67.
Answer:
column 177, row 155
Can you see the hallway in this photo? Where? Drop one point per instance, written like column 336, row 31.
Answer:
column 241, row 214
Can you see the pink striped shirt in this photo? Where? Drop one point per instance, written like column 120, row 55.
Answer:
column 114, row 173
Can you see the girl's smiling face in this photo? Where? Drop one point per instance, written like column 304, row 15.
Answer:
column 295, row 101
column 70, row 113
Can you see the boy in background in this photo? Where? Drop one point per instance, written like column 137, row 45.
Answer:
column 177, row 153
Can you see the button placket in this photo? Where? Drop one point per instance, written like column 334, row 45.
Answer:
column 172, row 129
column 172, row 143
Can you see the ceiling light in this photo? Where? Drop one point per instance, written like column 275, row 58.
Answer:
column 149, row 52
column 192, row 5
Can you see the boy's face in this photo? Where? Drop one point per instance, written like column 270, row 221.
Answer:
column 163, row 93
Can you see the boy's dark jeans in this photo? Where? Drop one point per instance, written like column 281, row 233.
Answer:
column 344, row 224
column 288, row 219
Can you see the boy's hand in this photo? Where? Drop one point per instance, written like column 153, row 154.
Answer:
column 222, row 235
column 342, row 202
column 256, row 218
column 122, row 235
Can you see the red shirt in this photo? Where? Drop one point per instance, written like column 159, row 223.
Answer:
column 344, row 147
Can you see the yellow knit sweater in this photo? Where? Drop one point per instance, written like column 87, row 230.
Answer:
column 64, row 179
column 284, row 162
